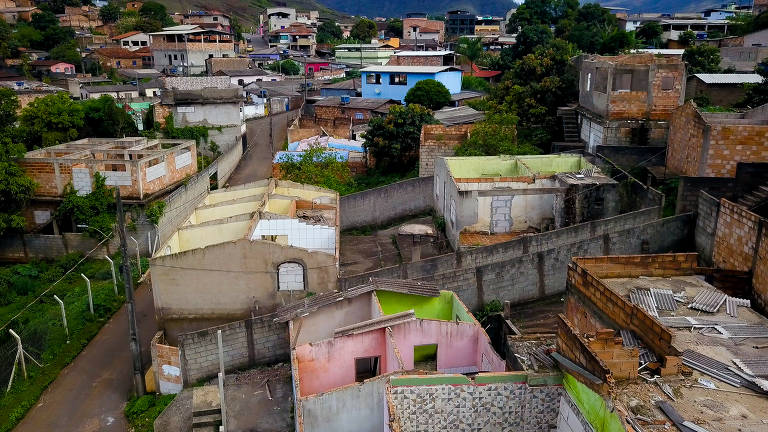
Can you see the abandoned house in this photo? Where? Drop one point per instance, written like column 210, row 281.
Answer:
column 491, row 199
column 630, row 318
column 711, row 144
column 353, row 348
column 144, row 169
column 442, row 139
column 627, row 100
column 245, row 251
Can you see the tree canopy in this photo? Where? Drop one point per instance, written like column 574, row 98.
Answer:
column 320, row 168
column 364, row 30
column 650, row 33
column 496, row 135
column 393, row 140
column 428, row 93
column 702, row 59
column 109, row 13
column 757, row 94
column 287, row 67
column 328, row 31
column 50, row 120
column 103, row 118
column 16, row 188
column 471, row 48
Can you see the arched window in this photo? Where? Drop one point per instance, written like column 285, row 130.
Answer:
column 290, row 277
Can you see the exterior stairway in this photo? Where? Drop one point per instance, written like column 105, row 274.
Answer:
column 570, row 124
column 754, row 198
column 206, row 409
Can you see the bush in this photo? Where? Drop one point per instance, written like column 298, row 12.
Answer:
column 428, row 93
column 142, row 412
column 155, row 211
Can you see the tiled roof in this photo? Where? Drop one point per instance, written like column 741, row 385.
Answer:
column 311, row 304
column 126, row 35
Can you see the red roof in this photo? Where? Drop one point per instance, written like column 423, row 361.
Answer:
column 47, row 62
column 125, row 35
column 476, row 71
column 119, row 53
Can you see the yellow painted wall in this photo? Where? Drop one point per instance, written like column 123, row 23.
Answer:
column 197, row 237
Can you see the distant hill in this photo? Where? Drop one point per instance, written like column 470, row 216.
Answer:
column 497, row 7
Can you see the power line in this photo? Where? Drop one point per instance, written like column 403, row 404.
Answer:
column 53, row 284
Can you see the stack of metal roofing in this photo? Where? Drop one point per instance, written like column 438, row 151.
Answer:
column 665, row 299
column 719, row 370
column 630, row 340
column 645, row 300
column 708, row 300
column 732, row 304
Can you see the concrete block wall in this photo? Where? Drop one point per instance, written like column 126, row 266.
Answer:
column 245, row 343
column 689, row 188
column 534, row 266
column 501, row 207
column 386, row 203
column 735, row 237
column 707, row 212
column 439, row 141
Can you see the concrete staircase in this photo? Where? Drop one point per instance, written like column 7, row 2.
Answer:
column 754, row 198
column 206, row 409
column 570, row 124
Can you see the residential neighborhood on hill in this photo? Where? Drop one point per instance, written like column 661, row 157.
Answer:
column 345, row 216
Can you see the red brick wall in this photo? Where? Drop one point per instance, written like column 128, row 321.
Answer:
column 622, row 362
column 686, row 134
column 573, row 346
column 584, row 276
column 415, row 61
column 735, row 237
column 166, row 379
column 731, row 144
column 438, row 141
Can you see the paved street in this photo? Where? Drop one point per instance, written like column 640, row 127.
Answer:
column 90, row 393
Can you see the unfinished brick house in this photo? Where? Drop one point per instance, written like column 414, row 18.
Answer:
column 628, row 99
column 341, row 113
column 703, row 144
column 143, row 169
column 632, row 315
column 441, row 140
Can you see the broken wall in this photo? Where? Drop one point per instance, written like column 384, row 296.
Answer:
column 332, row 411
column 166, row 365
column 439, row 141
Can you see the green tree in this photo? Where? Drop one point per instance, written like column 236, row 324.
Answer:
column 320, row 168
column 50, row 120
column 650, row 33
column 5, row 38
column 687, row 38
column 428, row 93
column 364, row 30
column 16, row 189
column 155, row 11
column 67, row 52
column 27, row 36
column 617, row 41
column 95, row 209
column 395, row 28
column 287, row 67
column 393, row 140
column 471, row 48
column 328, row 31
column 546, row 12
column 104, row 119
column 56, row 36
column 757, row 94
column 109, row 13
column 237, row 28
column 469, row 82
column 496, row 135
column 702, row 59
column 44, row 20
column 530, row 38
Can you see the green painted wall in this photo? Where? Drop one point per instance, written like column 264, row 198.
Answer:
column 517, row 166
column 429, row 380
column 424, row 352
column 441, row 308
column 592, row 406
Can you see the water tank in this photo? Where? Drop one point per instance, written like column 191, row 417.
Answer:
column 344, row 99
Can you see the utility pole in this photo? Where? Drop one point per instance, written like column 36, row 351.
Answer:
column 133, row 338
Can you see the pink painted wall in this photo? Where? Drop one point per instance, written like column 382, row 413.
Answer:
column 487, row 358
column 457, row 343
column 328, row 364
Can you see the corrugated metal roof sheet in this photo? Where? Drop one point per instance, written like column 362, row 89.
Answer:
column 732, row 305
column 665, row 299
column 644, row 299
column 423, row 53
column 711, row 78
column 708, row 300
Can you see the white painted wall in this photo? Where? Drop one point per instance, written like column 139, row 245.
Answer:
column 311, row 237
column 531, row 210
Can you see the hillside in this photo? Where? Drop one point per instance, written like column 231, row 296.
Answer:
column 247, row 11
column 497, row 7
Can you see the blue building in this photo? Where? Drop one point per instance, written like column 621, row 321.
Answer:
column 393, row 82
